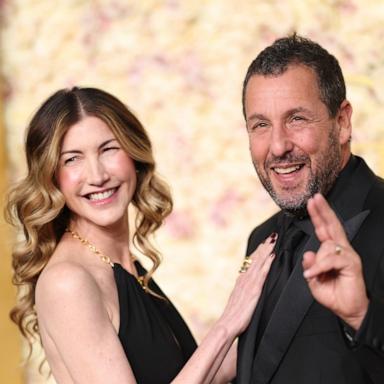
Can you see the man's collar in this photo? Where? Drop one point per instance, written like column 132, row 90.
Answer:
column 343, row 177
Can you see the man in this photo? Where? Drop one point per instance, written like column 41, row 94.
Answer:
column 321, row 317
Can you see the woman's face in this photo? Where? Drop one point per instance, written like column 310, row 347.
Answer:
column 95, row 174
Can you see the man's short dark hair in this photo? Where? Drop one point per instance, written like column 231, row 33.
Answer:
column 295, row 50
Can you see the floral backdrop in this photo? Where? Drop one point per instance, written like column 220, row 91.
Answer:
column 179, row 65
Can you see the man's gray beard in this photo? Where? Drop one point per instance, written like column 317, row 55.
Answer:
column 321, row 180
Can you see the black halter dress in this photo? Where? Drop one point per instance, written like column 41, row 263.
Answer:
column 155, row 338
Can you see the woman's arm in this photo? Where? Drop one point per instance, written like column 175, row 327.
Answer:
column 227, row 370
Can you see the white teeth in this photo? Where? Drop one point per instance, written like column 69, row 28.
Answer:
column 286, row 170
column 101, row 195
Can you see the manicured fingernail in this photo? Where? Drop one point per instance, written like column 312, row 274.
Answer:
column 273, row 235
column 273, row 241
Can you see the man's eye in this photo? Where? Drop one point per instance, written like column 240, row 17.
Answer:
column 258, row 126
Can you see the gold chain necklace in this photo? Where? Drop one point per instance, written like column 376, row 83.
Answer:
column 104, row 258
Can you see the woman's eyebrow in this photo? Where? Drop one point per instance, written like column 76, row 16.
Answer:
column 104, row 143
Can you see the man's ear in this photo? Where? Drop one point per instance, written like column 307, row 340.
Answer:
column 343, row 121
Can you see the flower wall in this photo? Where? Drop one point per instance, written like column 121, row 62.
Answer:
column 179, row 65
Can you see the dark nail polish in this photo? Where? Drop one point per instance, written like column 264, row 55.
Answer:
column 273, row 241
column 274, row 235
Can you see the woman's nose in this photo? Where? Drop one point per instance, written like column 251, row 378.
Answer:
column 97, row 173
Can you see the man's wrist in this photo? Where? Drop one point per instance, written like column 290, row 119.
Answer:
column 355, row 322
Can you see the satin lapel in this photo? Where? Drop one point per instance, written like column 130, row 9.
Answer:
column 352, row 225
column 290, row 310
column 286, row 317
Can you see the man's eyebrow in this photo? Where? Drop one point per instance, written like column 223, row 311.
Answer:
column 260, row 116
column 256, row 116
column 103, row 144
column 297, row 110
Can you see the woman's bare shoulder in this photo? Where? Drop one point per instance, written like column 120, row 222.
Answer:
column 66, row 273
column 63, row 277
column 65, row 283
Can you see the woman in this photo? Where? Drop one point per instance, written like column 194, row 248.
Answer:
column 100, row 316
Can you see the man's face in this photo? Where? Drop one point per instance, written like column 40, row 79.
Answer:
column 296, row 147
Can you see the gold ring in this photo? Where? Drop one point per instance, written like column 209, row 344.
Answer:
column 338, row 249
column 246, row 263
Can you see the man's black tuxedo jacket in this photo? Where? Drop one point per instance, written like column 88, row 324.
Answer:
column 305, row 343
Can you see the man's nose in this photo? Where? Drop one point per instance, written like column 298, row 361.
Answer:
column 281, row 142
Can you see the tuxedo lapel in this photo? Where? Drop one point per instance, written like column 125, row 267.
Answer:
column 286, row 317
column 289, row 312
column 352, row 226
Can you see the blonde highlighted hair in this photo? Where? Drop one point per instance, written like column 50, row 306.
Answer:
column 37, row 206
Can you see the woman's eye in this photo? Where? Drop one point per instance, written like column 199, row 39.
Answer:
column 110, row 149
column 70, row 160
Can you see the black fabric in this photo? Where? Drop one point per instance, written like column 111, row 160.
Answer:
column 155, row 338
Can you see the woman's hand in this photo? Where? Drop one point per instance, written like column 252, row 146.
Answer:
column 248, row 287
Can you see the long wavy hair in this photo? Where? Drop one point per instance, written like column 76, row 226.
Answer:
column 37, row 206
